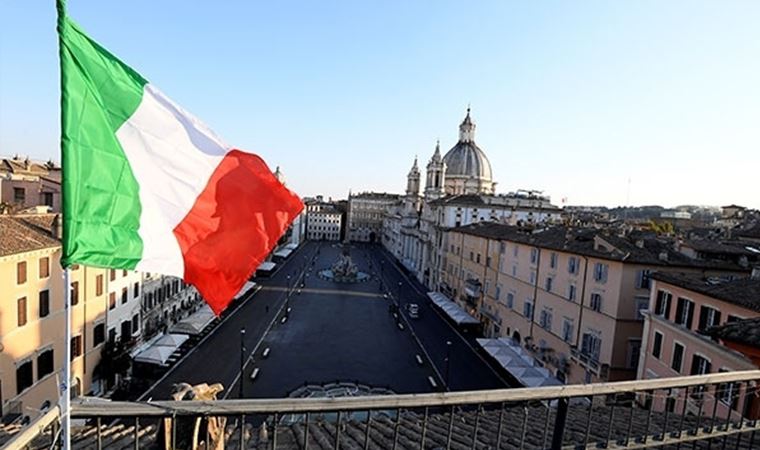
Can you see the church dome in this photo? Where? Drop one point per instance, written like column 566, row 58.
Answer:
column 466, row 159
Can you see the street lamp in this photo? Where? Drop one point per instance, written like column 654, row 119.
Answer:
column 287, row 298
column 398, row 298
column 448, row 362
column 242, row 360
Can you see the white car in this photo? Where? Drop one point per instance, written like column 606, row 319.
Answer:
column 414, row 310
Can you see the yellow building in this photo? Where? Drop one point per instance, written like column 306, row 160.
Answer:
column 32, row 316
column 573, row 298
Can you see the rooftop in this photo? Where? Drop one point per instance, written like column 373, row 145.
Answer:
column 745, row 331
column 635, row 248
column 26, row 233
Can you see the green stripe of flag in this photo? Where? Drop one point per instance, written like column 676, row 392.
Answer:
column 101, row 204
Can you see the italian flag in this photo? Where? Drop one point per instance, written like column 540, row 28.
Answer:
column 149, row 187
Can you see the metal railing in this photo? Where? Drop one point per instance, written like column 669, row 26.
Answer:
column 631, row 414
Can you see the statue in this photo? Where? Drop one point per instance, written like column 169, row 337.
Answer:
column 344, row 268
column 190, row 432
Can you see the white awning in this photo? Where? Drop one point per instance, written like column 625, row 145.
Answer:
column 155, row 355
column 246, row 287
column 292, row 246
column 283, row 252
column 171, row 340
column 453, row 310
column 518, row 362
column 267, row 266
column 194, row 324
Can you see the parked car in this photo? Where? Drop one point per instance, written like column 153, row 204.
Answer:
column 414, row 310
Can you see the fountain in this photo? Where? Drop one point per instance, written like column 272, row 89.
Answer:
column 344, row 270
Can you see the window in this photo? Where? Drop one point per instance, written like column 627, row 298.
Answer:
column 684, row 312
column 600, row 272
column 699, row 365
column 76, row 347
column 112, row 335
column 21, row 272
column 567, row 330
column 510, row 300
column 472, row 256
column 21, row 311
column 112, row 300
column 98, row 334
column 528, row 309
column 44, row 267
column 677, row 363
column 596, row 302
column 657, row 345
column 124, row 295
column 47, row 199
column 708, row 317
column 19, row 195
column 514, row 271
column 533, row 255
column 549, row 281
column 572, row 265
column 532, row 277
column 643, row 279
column 591, row 345
column 642, row 304
column 45, row 363
column 732, row 318
column 126, row 330
column 123, row 273
column 502, row 247
column 99, row 285
column 545, row 320
column 488, row 261
column 74, row 292
column 24, row 376
column 514, row 251
column 135, row 323
column 728, row 393
column 498, row 292
column 553, row 260
column 112, row 274
column 136, row 290
column 571, row 292
column 477, row 259
column 662, row 304
column 44, row 303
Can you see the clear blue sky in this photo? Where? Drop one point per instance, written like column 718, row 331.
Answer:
column 574, row 98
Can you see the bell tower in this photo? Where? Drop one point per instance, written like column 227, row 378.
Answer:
column 436, row 172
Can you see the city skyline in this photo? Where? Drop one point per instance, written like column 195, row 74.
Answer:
column 552, row 88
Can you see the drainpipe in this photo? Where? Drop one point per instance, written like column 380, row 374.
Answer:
column 535, row 292
column 581, row 306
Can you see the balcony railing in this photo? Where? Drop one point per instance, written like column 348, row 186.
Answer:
column 557, row 417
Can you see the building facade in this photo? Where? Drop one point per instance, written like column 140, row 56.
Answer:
column 32, row 320
column 26, row 184
column 324, row 221
column 683, row 309
column 366, row 212
column 574, row 298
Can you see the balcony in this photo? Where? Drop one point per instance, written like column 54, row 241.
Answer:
column 589, row 362
column 473, row 288
column 526, row 418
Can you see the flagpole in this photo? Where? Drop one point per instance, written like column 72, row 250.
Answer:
column 65, row 402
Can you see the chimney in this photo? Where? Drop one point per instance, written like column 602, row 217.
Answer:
column 663, row 256
column 56, row 227
column 640, row 243
column 755, row 273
